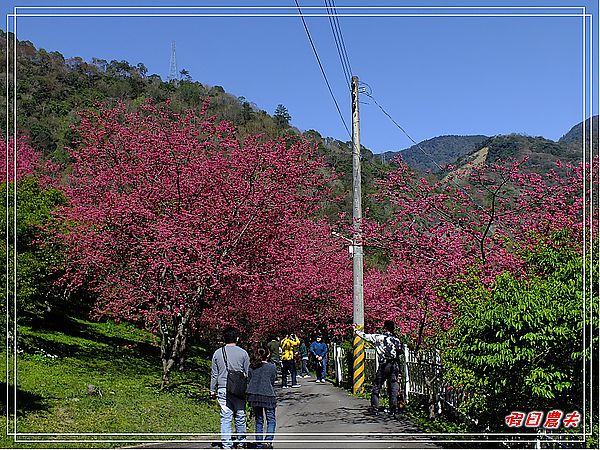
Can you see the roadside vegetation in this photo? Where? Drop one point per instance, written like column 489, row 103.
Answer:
column 77, row 376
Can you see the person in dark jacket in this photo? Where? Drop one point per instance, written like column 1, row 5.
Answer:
column 274, row 350
column 262, row 397
column 319, row 349
column 303, row 350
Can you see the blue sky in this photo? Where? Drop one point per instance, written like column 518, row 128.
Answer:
column 434, row 75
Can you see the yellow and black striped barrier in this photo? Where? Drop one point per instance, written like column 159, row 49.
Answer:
column 358, row 363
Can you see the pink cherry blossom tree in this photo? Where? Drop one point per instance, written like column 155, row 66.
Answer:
column 308, row 288
column 175, row 217
column 27, row 159
column 475, row 220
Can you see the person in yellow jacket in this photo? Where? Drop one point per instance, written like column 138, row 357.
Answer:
column 288, row 347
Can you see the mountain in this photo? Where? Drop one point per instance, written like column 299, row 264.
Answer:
column 574, row 138
column 541, row 153
column 52, row 89
column 433, row 155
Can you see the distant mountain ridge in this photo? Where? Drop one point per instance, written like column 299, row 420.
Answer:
column 435, row 154
column 431, row 154
column 541, row 153
column 574, row 136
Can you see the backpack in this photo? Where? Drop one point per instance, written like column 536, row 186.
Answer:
column 237, row 380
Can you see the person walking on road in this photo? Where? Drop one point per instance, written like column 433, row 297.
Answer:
column 319, row 349
column 288, row 344
column 262, row 397
column 274, row 350
column 388, row 348
column 303, row 350
column 230, row 357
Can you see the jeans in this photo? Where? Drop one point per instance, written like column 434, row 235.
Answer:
column 288, row 367
column 387, row 371
column 304, row 370
column 231, row 407
column 259, row 422
column 321, row 369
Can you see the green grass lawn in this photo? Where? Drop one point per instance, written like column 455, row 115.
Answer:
column 56, row 366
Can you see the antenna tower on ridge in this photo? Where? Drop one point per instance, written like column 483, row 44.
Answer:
column 173, row 72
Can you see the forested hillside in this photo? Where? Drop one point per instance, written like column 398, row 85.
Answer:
column 541, row 153
column 574, row 137
column 52, row 90
column 435, row 154
column 431, row 154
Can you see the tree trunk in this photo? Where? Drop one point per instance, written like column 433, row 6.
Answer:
column 181, row 357
column 174, row 332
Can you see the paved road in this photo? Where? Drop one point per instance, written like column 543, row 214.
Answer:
column 322, row 416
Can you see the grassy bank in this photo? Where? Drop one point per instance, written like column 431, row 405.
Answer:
column 85, row 377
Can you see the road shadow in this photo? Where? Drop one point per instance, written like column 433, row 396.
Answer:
column 357, row 416
column 289, row 397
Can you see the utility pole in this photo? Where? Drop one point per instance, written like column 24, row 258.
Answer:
column 358, row 361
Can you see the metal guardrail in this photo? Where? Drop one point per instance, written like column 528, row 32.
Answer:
column 421, row 375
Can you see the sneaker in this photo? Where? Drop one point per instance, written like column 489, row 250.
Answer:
column 284, row 387
column 296, row 385
column 317, row 381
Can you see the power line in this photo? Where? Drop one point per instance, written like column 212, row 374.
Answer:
column 343, row 44
column 370, row 95
column 366, row 89
column 337, row 44
column 322, row 70
column 338, row 38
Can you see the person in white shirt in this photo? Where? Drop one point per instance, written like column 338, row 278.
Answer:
column 388, row 348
